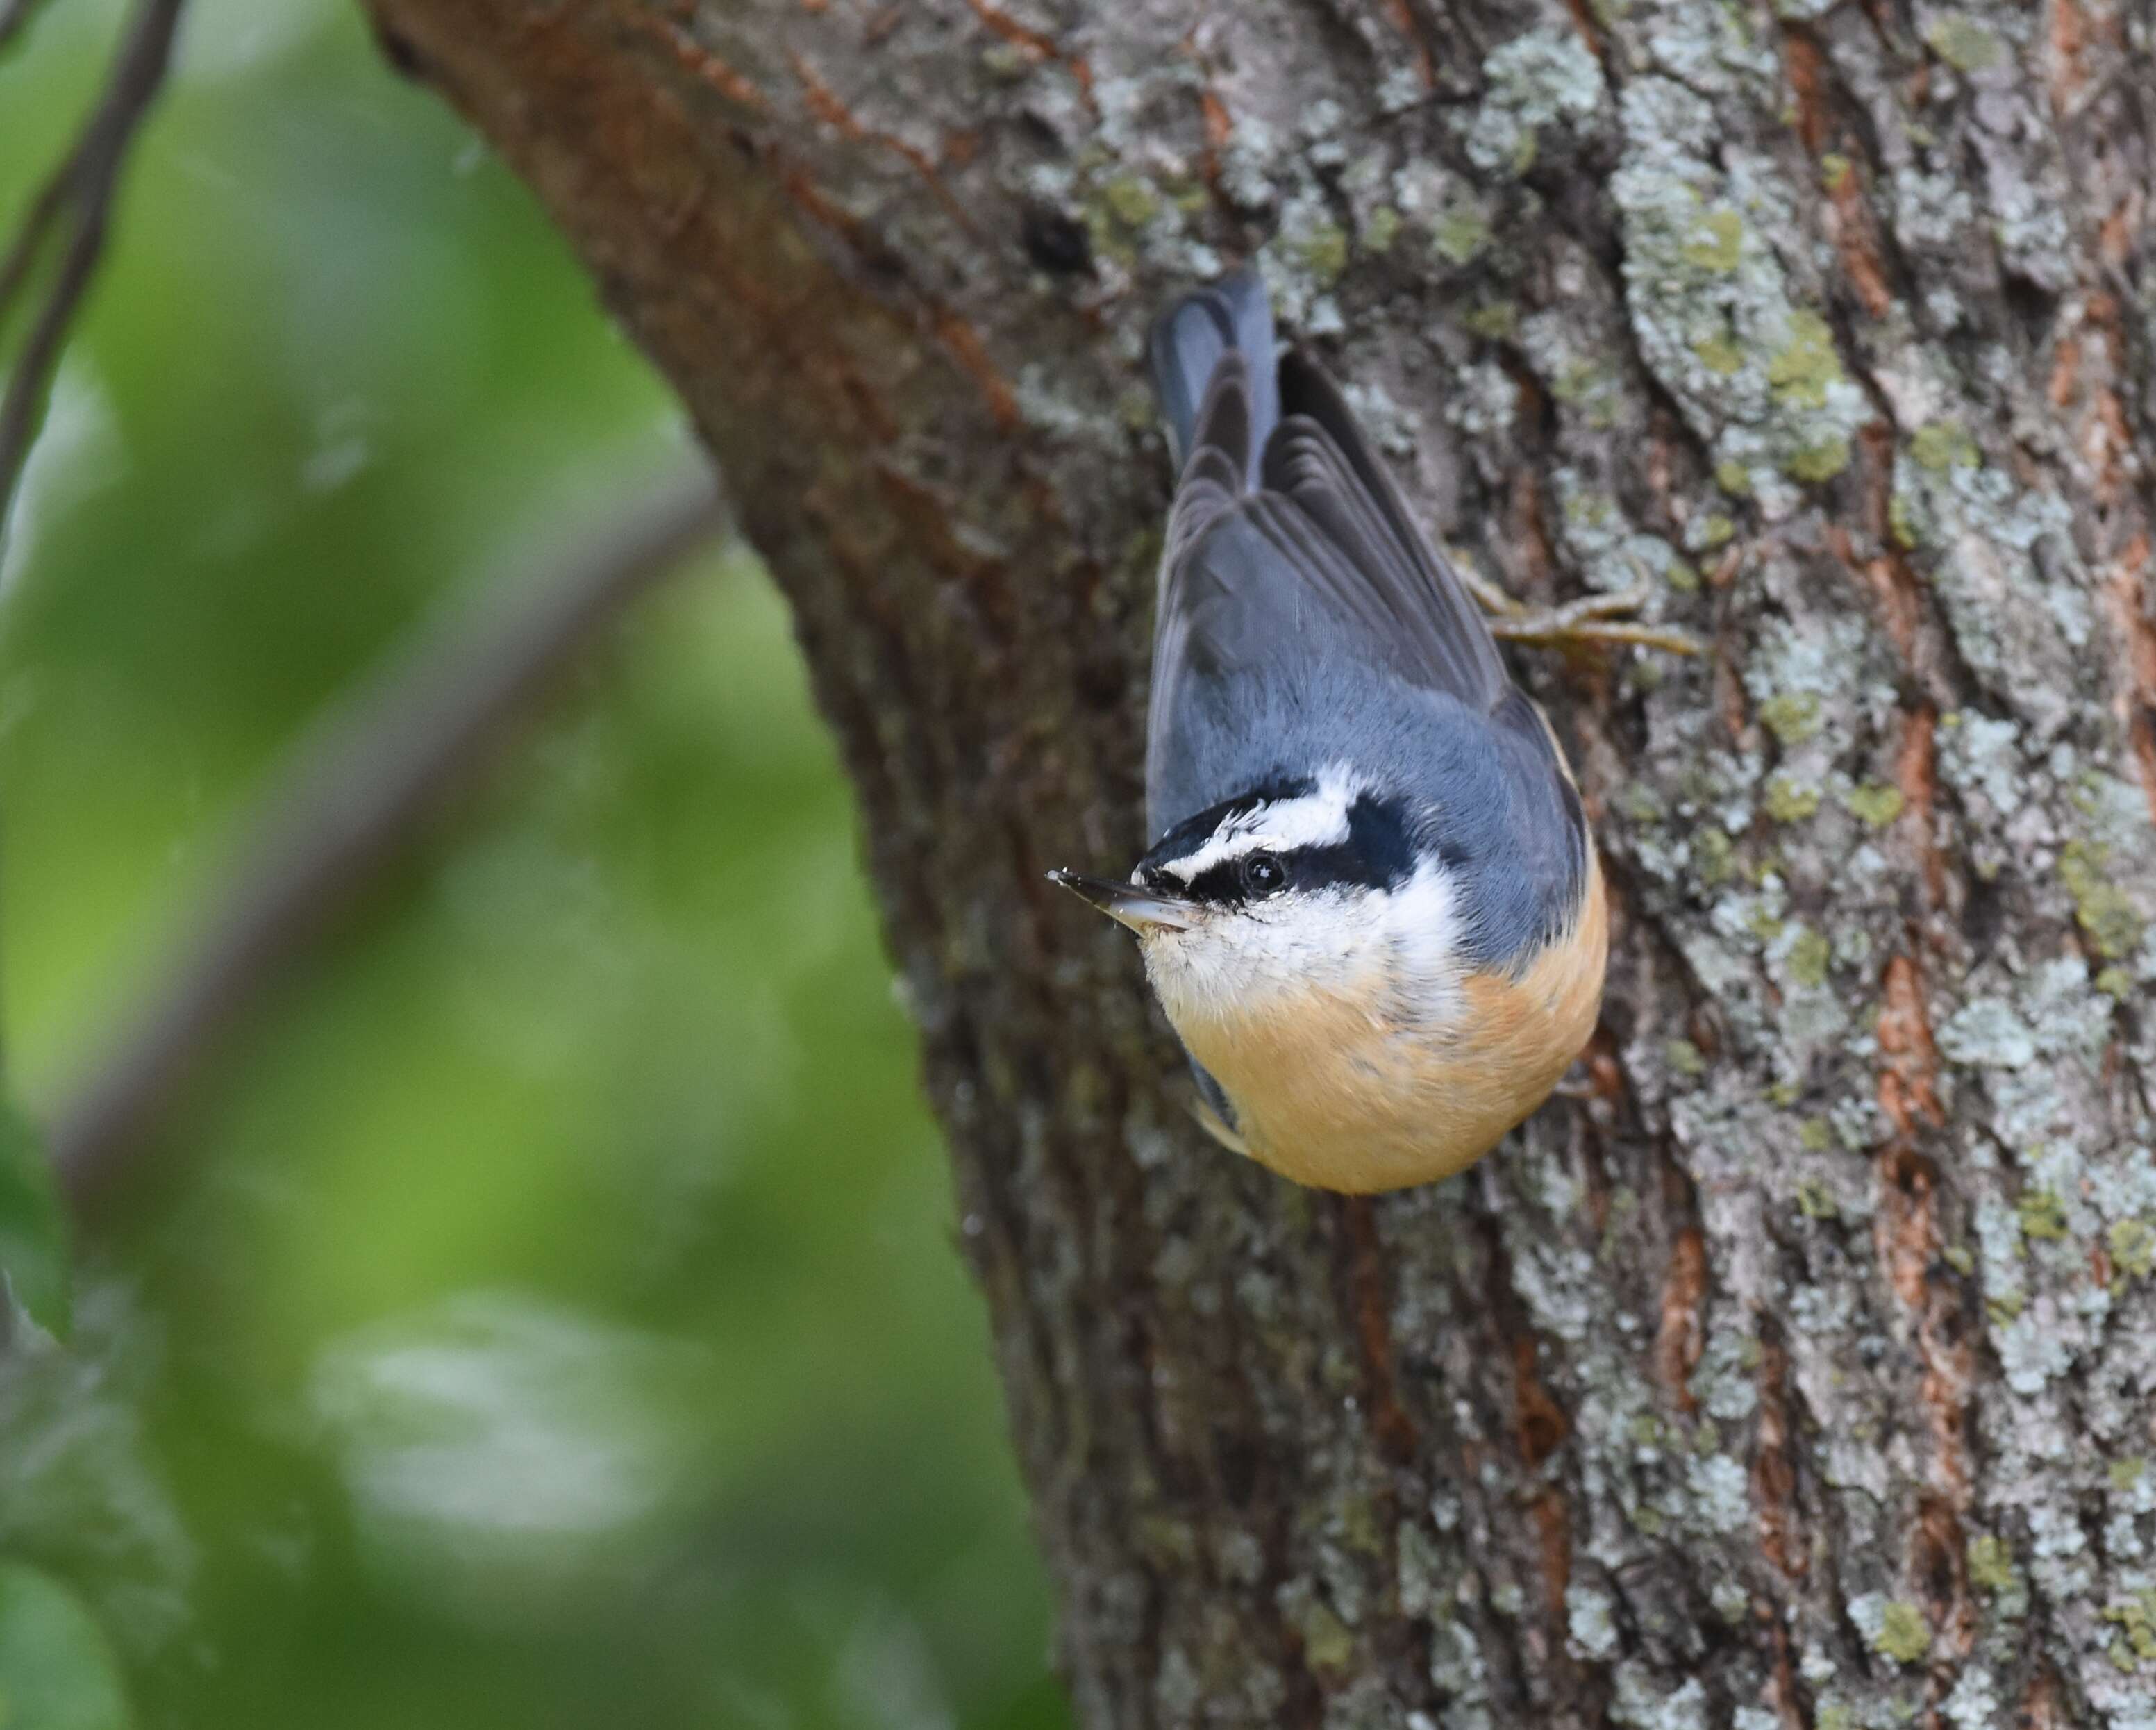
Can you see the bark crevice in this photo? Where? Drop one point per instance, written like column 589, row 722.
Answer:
column 1800, row 1374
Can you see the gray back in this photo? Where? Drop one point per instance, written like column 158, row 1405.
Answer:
column 1304, row 620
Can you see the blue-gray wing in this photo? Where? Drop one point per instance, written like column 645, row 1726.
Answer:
column 1374, row 561
column 1189, row 343
column 1304, row 620
column 1267, row 593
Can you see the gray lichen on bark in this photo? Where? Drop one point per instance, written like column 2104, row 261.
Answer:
column 1804, row 1372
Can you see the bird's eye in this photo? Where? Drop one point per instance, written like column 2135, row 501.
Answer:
column 1263, row 875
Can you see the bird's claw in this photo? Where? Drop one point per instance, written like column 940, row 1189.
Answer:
column 1591, row 618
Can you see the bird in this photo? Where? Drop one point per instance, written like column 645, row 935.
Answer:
column 1372, row 908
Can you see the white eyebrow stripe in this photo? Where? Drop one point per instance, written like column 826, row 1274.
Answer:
column 1317, row 820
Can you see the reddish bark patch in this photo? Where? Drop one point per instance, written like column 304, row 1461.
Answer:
column 2069, row 35
column 1906, row 1231
column 1034, row 44
column 1729, row 699
column 1907, row 1235
column 829, row 107
column 1782, row 1688
column 1856, row 242
column 1604, row 1073
column 2040, row 1707
column 1907, row 1089
column 1893, row 584
column 1805, row 68
column 2115, row 237
column 1531, row 540
column 1214, row 112
column 1402, row 19
column 2128, row 595
column 1369, row 1294
column 1941, row 1572
column 1590, row 33
column 699, row 61
column 808, row 198
column 1679, row 1338
column 1773, row 1478
column 1850, row 222
column 929, row 519
column 1540, row 1426
column 1554, row 1526
column 1916, row 773
column 964, row 344
column 2066, row 371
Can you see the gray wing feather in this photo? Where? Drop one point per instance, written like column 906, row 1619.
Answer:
column 1249, row 655
column 1232, row 317
column 1319, row 459
column 1317, row 561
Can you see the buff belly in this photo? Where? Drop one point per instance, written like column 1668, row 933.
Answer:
column 1330, row 1094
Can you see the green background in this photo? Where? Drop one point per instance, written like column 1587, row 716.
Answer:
column 544, row 1311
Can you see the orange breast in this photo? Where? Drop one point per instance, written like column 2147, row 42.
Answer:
column 1340, row 1096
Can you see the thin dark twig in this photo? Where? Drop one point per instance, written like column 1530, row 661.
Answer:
column 15, row 18
column 45, row 209
column 349, row 793
column 85, row 183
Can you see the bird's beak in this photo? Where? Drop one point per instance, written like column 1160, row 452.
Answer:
column 1141, row 910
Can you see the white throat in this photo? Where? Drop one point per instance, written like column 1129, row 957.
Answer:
column 1394, row 953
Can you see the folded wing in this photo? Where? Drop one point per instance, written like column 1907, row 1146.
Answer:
column 1288, row 548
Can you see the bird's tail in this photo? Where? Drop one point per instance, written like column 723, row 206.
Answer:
column 1193, row 338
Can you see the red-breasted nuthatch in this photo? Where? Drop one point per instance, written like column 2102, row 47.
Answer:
column 1372, row 908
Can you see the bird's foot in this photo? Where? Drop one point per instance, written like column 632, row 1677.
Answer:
column 1591, row 618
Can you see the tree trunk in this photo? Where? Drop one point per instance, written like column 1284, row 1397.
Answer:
column 1800, row 1372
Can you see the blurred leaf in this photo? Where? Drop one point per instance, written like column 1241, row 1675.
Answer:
column 57, row 1672
column 506, row 1456
column 33, row 1239
column 82, row 1492
column 616, row 1036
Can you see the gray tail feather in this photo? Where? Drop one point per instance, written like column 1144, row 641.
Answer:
column 1189, row 342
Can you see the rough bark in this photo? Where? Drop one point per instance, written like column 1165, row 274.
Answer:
column 1804, row 1372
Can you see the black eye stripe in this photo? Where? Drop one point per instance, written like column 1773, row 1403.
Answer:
column 1341, row 866
column 1379, row 852
column 1379, row 842
column 1218, row 885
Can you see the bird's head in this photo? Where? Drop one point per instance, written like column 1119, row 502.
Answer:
column 1302, row 889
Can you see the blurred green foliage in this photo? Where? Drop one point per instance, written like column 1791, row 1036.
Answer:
column 57, row 1669
column 545, row 1313
column 34, row 1226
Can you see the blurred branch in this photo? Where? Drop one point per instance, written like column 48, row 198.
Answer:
column 81, row 187
column 349, row 793
column 15, row 18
